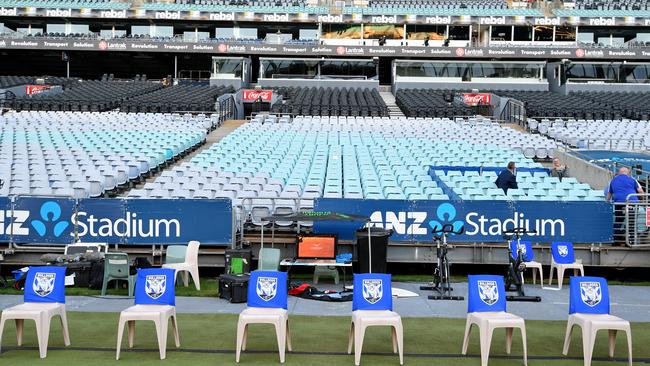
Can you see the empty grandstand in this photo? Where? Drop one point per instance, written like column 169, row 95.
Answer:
column 331, row 102
column 177, row 98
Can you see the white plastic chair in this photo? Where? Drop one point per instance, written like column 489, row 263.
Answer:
column 372, row 305
column 190, row 265
column 267, row 304
column 528, row 255
column 563, row 258
column 487, row 310
column 589, row 309
column 44, row 298
column 154, row 301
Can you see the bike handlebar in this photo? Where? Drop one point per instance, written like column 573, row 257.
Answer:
column 448, row 229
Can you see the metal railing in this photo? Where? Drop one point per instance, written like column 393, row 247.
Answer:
column 636, row 226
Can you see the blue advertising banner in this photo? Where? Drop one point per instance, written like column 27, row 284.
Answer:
column 484, row 221
column 116, row 221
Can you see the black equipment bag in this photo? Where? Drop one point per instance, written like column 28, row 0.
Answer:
column 233, row 288
column 81, row 271
column 96, row 275
column 140, row 262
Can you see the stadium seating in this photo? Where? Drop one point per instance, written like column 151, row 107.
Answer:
column 444, row 7
column 89, row 154
column 91, row 95
column 596, row 134
column 177, row 98
column 10, row 80
column 600, row 8
column 430, row 103
column 331, row 102
column 264, row 6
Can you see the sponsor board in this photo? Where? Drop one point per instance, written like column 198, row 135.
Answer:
column 473, row 99
column 36, row 89
column 251, row 95
column 484, row 221
column 115, row 221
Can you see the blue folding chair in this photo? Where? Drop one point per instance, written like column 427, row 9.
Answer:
column 155, row 300
column 44, row 298
column 527, row 252
column 372, row 305
column 589, row 309
column 486, row 308
column 563, row 258
column 267, row 304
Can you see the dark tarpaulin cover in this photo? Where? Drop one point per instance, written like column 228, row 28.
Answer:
column 316, row 216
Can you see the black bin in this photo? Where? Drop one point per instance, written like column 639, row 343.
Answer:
column 379, row 242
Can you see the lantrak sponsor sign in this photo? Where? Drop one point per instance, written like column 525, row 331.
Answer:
column 484, row 221
column 115, row 221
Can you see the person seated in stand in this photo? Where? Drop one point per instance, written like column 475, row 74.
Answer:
column 507, row 178
column 426, row 41
column 558, row 170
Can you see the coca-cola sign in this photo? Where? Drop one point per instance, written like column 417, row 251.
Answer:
column 477, row 98
column 251, row 95
column 36, row 89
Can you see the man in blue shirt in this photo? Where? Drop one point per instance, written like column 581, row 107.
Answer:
column 507, row 178
column 621, row 186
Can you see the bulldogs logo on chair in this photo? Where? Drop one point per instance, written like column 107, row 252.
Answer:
column 43, row 283
column 267, row 288
column 562, row 250
column 488, row 291
column 373, row 290
column 591, row 293
column 155, row 285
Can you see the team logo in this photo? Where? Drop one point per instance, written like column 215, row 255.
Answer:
column 155, row 286
column 267, row 288
column 591, row 293
column 488, row 292
column 522, row 249
column 340, row 50
column 580, row 52
column 43, row 283
column 50, row 213
column 222, row 47
column 373, row 290
column 103, row 45
column 460, row 52
column 562, row 250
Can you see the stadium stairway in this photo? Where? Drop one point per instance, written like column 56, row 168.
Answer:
column 213, row 136
column 393, row 109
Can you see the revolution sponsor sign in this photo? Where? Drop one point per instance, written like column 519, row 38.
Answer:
column 115, row 221
column 484, row 221
column 251, row 95
column 325, row 50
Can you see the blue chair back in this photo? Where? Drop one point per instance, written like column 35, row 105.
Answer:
column 45, row 284
column 526, row 248
column 562, row 252
column 372, row 291
column 155, row 286
column 588, row 295
column 267, row 289
column 486, row 293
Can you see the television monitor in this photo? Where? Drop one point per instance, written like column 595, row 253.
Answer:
column 317, row 247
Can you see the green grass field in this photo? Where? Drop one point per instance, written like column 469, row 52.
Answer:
column 209, row 339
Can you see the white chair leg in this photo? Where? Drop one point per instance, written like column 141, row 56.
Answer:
column 195, row 278
column 485, row 340
column 628, row 334
column 359, row 333
column 588, row 340
column 612, row 342
column 20, row 329
column 241, row 326
column 120, row 332
column 161, row 330
column 468, row 331
column 316, row 277
column 550, row 276
column 43, row 334
column 582, row 271
column 245, row 339
column 509, row 332
column 541, row 276
column 567, row 337
column 524, row 343
column 177, row 338
column 64, row 325
column 560, row 277
column 351, row 338
column 393, row 337
column 2, row 330
column 280, row 334
column 534, row 276
column 130, row 332
column 186, row 279
column 289, row 347
column 400, row 342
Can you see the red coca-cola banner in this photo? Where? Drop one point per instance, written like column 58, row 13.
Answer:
column 647, row 216
column 35, row 89
column 477, row 98
column 251, row 95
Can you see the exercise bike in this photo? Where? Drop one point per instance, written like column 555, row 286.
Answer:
column 441, row 274
column 514, row 278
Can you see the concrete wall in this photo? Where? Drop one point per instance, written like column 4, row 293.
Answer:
column 597, row 177
column 325, row 83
